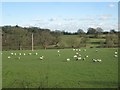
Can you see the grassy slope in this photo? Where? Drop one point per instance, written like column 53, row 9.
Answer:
column 92, row 42
column 54, row 71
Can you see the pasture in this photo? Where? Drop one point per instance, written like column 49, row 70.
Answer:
column 54, row 71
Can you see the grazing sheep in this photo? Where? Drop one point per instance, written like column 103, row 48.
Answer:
column 79, row 49
column 58, row 51
column 1, row 53
column 75, row 56
column 68, row 59
column 87, row 56
column 73, row 49
column 83, row 58
column 15, row 54
column 116, row 55
column 58, row 54
column 11, row 53
column 36, row 53
column 116, row 52
column 30, row 53
column 18, row 57
column 96, row 50
column 77, row 53
column 99, row 60
column 41, row 58
column 84, row 49
column 9, row 57
column 79, row 58
column 24, row 54
column 94, row 60
column 20, row 54
column 76, row 49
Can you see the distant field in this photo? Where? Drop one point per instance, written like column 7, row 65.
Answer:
column 55, row 72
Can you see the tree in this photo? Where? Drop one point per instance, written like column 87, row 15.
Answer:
column 45, row 38
column 91, row 31
column 80, row 31
column 99, row 30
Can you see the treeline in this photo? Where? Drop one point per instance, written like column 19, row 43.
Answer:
column 19, row 38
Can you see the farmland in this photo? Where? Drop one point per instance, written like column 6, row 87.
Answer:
column 55, row 72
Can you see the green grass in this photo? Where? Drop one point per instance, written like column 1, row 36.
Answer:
column 55, row 72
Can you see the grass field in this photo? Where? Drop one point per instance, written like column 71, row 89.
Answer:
column 55, row 72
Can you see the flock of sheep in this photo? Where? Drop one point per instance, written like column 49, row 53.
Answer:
column 77, row 56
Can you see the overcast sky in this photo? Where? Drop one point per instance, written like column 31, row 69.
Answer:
column 68, row 16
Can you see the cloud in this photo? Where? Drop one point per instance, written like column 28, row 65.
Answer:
column 105, row 17
column 111, row 5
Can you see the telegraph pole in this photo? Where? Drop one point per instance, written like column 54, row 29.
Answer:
column 32, row 41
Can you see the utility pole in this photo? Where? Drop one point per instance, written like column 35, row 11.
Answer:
column 32, row 41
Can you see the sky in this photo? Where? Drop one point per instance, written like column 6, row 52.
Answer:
column 67, row 16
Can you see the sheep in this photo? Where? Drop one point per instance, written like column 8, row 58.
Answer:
column 83, row 58
column 41, row 57
column 36, row 53
column 11, row 53
column 20, row 54
column 68, row 59
column 77, row 53
column 76, row 49
column 58, row 51
column 18, row 57
column 15, row 54
column 30, row 53
column 87, row 56
column 9, row 57
column 58, row 54
column 75, row 56
column 84, row 49
column 24, row 54
column 116, row 52
column 79, row 49
column 79, row 58
column 94, row 60
column 116, row 55
column 73, row 49
column 96, row 50
column 1, row 53
column 99, row 60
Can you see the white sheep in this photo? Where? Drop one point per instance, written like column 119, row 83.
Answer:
column 15, row 54
column 83, row 58
column 68, row 59
column 20, row 54
column 9, row 57
column 30, row 53
column 94, row 60
column 36, row 53
column 87, row 56
column 79, row 58
column 77, row 53
column 116, row 52
column 99, row 60
column 11, row 53
column 75, row 56
column 84, row 49
column 58, row 51
column 116, row 55
column 24, row 54
column 18, row 57
column 41, row 58
column 79, row 49
column 58, row 54
column 73, row 49
column 76, row 49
